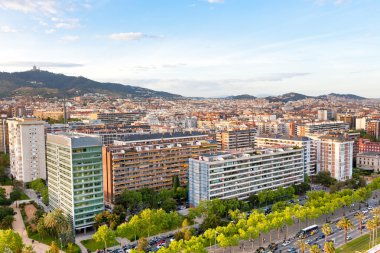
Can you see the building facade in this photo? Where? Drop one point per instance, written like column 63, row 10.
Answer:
column 27, row 149
column 117, row 117
column 4, row 139
column 325, row 114
column 75, row 172
column 373, row 128
column 235, row 139
column 368, row 161
column 150, row 161
column 307, row 144
column 335, row 155
column 366, row 145
column 321, row 127
column 229, row 175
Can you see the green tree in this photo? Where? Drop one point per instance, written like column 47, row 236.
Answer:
column 176, row 182
column 315, row 249
column 345, row 224
column 169, row 204
column 28, row 249
column 302, row 245
column 360, row 217
column 324, row 178
column 329, row 247
column 105, row 235
column 326, row 230
column 11, row 240
column 143, row 244
column 70, row 248
column 130, row 199
column 53, row 248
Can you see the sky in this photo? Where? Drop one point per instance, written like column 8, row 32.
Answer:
column 200, row 47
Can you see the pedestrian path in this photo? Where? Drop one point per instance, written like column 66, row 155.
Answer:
column 18, row 226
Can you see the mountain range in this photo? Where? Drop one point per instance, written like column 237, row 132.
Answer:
column 44, row 83
column 48, row 84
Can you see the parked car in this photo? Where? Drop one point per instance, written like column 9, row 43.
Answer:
column 349, row 238
column 286, row 243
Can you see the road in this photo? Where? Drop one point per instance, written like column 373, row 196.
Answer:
column 246, row 246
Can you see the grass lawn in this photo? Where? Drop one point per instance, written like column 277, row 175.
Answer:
column 24, row 196
column 359, row 244
column 48, row 240
column 6, row 181
column 93, row 245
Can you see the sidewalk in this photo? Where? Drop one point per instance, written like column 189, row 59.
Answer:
column 18, row 226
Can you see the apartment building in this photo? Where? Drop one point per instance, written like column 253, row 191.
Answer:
column 27, row 149
column 307, row 144
column 368, row 161
column 373, row 128
column 335, row 155
column 321, row 127
column 151, row 161
column 4, row 140
column 366, row 145
column 117, row 117
column 75, row 172
column 239, row 174
column 361, row 123
column 325, row 114
column 236, row 139
column 271, row 127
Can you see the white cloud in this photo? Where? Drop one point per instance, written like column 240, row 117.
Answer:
column 7, row 29
column 49, row 31
column 215, row 1
column 30, row 6
column 69, row 38
column 129, row 36
column 66, row 23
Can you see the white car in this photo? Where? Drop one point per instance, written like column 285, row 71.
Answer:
column 370, row 207
column 308, row 241
column 286, row 243
column 365, row 211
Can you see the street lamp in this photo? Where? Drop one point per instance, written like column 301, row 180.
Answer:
column 60, row 240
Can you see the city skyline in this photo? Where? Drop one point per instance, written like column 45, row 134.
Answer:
column 199, row 47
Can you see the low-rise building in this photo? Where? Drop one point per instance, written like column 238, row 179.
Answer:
column 368, row 161
column 239, row 174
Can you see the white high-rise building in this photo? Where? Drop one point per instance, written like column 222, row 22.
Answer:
column 27, row 148
column 232, row 174
column 306, row 143
column 75, row 172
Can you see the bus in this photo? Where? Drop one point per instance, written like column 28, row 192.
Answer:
column 306, row 232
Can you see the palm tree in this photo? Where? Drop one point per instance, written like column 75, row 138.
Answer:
column 315, row 249
column 360, row 217
column 302, row 245
column 329, row 247
column 345, row 224
column 326, row 230
column 371, row 227
column 376, row 223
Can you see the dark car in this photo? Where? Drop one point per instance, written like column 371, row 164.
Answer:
column 273, row 246
column 260, row 250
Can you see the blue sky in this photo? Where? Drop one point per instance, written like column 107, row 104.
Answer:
column 200, row 47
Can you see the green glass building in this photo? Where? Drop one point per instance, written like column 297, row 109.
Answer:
column 75, row 176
